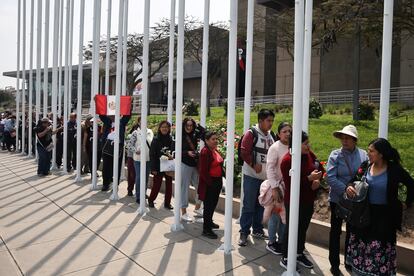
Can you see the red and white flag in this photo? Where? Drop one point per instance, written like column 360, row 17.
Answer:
column 105, row 105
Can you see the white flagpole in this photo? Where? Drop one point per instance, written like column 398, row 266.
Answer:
column 79, row 97
column 142, row 185
column 171, row 63
column 94, row 90
column 69, row 104
column 46, row 60
column 55, row 75
column 177, row 226
column 307, row 62
column 386, row 68
column 24, row 79
column 124, row 73
column 19, row 8
column 204, row 68
column 30, row 128
column 248, row 81
column 297, row 134
column 66, row 90
column 38, row 61
column 60, row 82
column 108, row 45
column 124, row 50
column 231, row 107
column 115, row 182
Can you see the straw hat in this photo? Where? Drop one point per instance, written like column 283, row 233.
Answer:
column 349, row 130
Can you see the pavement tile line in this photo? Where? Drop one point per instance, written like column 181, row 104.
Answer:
column 80, row 222
column 11, row 255
column 193, row 236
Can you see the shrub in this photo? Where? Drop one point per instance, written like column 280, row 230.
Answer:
column 366, row 111
column 191, row 108
column 315, row 109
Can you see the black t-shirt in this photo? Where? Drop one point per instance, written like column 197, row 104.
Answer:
column 45, row 140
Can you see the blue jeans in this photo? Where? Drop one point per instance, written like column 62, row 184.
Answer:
column 252, row 211
column 274, row 226
column 137, row 165
column 44, row 160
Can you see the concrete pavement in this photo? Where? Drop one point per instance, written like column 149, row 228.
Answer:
column 53, row 226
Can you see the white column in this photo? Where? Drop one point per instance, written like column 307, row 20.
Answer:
column 124, row 73
column 142, row 190
column 177, row 226
column 124, row 50
column 248, row 80
column 38, row 60
column 297, row 136
column 108, row 45
column 79, row 96
column 171, row 63
column 307, row 64
column 66, row 89
column 231, row 122
column 55, row 74
column 19, row 8
column 24, row 78
column 30, row 128
column 46, row 60
column 60, row 81
column 204, row 68
column 69, row 104
column 386, row 68
column 94, row 90
column 114, row 195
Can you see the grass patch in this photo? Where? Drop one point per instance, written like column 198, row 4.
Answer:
column 401, row 129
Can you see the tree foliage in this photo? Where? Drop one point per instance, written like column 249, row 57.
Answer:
column 339, row 18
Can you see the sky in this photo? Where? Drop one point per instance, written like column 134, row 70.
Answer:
column 219, row 11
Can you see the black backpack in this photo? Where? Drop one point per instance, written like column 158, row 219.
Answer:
column 255, row 138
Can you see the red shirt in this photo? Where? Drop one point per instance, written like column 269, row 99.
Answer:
column 215, row 165
column 307, row 195
column 209, row 165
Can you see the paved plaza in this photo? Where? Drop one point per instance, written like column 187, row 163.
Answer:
column 53, row 226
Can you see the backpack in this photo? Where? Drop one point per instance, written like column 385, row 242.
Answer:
column 255, row 133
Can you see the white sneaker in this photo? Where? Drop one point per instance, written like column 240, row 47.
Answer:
column 186, row 218
column 198, row 212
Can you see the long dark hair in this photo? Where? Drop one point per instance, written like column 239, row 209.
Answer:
column 389, row 153
column 159, row 127
column 185, row 121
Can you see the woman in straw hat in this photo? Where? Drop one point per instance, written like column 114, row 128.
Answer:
column 343, row 164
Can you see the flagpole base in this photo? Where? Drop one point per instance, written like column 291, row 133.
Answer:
column 177, row 227
column 78, row 179
column 94, row 187
column 143, row 210
column 286, row 273
column 114, row 197
column 226, row 251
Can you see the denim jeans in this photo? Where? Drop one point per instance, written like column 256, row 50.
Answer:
column 188, row 175
column 137, row 165
column 274, row 226
column 252, row 211
column 44, row 160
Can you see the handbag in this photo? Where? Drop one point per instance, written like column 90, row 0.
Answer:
column 108, row 148
column 167, row 165
column 356, row 210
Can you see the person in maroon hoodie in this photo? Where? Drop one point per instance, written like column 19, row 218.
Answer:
column 210, row 168
column 311, row 173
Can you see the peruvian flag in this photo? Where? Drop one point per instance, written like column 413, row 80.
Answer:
column 105, row 105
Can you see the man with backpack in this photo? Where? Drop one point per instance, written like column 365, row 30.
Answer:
column 253, row 151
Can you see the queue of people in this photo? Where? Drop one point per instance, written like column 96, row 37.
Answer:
column 266, row 156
